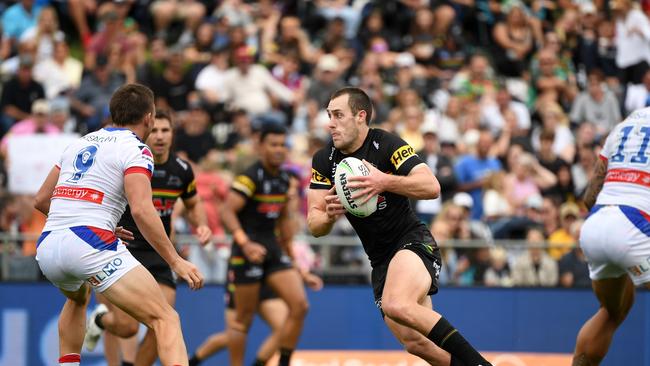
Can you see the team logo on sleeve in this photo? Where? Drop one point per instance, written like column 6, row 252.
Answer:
column 244, row 184
column 146, row 152
column 318, row 178
column 401, row 155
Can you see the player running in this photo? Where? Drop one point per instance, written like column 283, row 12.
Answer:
column 172, row 179
column 84, row 196
column 404, row 256
column 615, row 236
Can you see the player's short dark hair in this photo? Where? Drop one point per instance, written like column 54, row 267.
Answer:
column 163, row 114
column 130, row 103
column 271, row 129
column 358, row 100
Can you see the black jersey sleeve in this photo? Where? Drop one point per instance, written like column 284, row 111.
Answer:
column 245, row 183
column 189, row 182
column 321, row 171
column 402, row 156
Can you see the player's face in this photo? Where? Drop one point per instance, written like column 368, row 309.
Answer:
column 344, row 126
column 160, row 138
column 274, row 149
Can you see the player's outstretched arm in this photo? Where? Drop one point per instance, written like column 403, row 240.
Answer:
column 196, row 217
column 137, row 189
column 44, row 194
column 595, row 183
column 324, row 208
column 420, row 183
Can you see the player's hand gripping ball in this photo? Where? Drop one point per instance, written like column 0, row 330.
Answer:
column 352, row 167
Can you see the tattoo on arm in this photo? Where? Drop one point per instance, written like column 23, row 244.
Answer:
column 595, row 184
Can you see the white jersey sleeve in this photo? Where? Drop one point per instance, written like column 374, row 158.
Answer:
column 90, row 189
column 627, row 181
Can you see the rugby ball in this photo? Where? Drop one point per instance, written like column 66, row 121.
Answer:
column 353, row 167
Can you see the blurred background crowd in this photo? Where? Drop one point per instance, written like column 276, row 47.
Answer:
column 508, row 102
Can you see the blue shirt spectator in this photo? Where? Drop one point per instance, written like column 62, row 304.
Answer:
column 472, row 169
column 20, row 17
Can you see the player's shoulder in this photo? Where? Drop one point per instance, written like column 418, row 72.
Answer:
column 326, row 153
column 641, row 115
column 184, row 165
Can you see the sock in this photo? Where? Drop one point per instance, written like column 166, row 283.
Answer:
column 71, row 359
column 448, row 338
column 455, row 361
column 194, row 361
column 126, row 363
column 285, row 356
column 257, row 362
column 98, row 320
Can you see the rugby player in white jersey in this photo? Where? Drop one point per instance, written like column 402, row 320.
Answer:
column 84, row 196
column 616, row 236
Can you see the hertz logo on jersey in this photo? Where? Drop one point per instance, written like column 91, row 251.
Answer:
column 318, row 178
column 401, row 155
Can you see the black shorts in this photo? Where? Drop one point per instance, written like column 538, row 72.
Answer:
column 246, row 272
column 430, row 255
column 266, row 293
column 154, row 263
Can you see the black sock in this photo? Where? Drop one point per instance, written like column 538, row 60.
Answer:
column 98, row 320
column 285, row 356
column 454, row 361
column 257, row 362
column 448, row 338
column 194, row 361
column 124, row 363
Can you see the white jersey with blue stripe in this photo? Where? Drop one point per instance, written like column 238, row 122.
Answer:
column 90, row 189
column 626, row 153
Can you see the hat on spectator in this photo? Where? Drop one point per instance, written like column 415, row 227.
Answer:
column 569, row 209
column 59, row 105
column 405, row 59
column 588, row 8
column 40, row 106
column 328, row 62
column 429, row 128
column 535, row 202
column 463, row 199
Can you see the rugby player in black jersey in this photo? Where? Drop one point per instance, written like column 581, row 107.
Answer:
column 256, row 206
column 172, row 178
column 404, row 256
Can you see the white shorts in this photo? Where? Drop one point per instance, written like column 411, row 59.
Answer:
column 68, row 257
column 616, row 240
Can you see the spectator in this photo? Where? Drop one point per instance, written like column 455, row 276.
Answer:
column 574, row 271
column 561, row 241
column 494, row 114
column 167, row 11
column 554, row 119
column 472, row 169
column 152, row 69
column 16, row 105
column 632, row 38
column 638, row 96
column 551, row 84
column 16, row 20
column 326, row 81
column 476, row 82
column 526, row 179
column 535, row 267
column 211, row 77
column 250, row 86
column 597, row 105
column 291, row 39
column 515, row 40
column 496, row 207
column 194, row 141
column 59, row 74
column 176, row 85
column 44, row 34
column 498, row 274
column 582, row 170
column 546, row 156
column 410, row 127
column 608, row 51
column 39, row 122
column 90, row 101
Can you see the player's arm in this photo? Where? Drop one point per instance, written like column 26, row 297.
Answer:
column 196, row 216
column 137, row 187
column 324, row 209
column 235, row 202
column 420, row 183
column 44, row 194
column 595, row 183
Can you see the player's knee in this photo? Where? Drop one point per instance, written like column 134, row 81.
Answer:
column 416, row 346
column 128, row 329
column 299, row 308
column 398, row 310
column 245, row 318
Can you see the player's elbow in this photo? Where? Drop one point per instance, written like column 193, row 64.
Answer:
column 432, row 190
column 314, row 228
column 41, row 203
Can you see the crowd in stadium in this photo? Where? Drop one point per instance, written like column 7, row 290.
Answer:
column 508, row 101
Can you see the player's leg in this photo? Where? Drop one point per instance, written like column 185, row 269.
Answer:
column 408, row 279
column 147, row 354
column 288, row 285
column 616, row 296
column 112, row 352
column 274, row 312
column 72, row 325
column 246, row 299
column 109, row 318
column 417, row 344
column 129, row 348
column 215, row 342
column 138, row 294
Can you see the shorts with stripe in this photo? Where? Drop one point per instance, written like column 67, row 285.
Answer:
column 616, row 240
column 68, row 257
